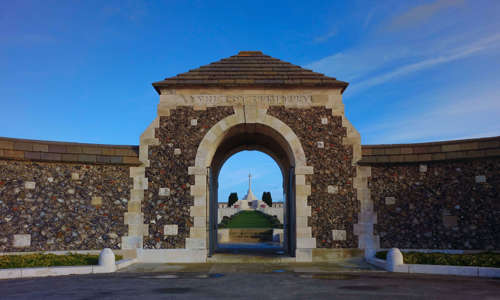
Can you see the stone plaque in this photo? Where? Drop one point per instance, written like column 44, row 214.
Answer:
column 170, row 229
column 339, row 235
column 214, row 100
column 333, row 189
column 22, row 240
column 390, row 200
column 164, row 192
column 29, row 185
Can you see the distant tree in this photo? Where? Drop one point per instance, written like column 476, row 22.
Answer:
column 266, row 197
column 233, row 197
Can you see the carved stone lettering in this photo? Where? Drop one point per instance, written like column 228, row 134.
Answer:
column 214, row 100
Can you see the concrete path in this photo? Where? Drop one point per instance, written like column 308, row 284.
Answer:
column 251, row 281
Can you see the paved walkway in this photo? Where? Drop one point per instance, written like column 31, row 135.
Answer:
column 251, row 281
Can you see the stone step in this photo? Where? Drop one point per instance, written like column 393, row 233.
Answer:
column 247, row 258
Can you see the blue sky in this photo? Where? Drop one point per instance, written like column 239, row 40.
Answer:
column 82, row 70
column 266, row 176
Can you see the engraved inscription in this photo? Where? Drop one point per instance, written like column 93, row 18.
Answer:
column 213, row 100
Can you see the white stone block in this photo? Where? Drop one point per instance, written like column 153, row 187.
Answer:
column 192, row 243
column 96, row 201
column 443, row 270
column 177, row 151
column 75, row 176
column 171, row 255
column 422, row 168
column 308, row 243
column 164, row 192
column 303, row 255
column 194, row 122
column 390, row 200
column 140, row 183
column 321, row 145
column 133, row 218
column 171, row 229
column 480, row 179
column 324, row 120
column 29, row 185
column 489, row 272
column 223, row 235
column 50, row 179
column 131, row 242
column 22, row 240
column 339, row 235
column 333, row 189
column 10, row 273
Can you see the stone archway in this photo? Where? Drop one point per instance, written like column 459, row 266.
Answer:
column 206, row 153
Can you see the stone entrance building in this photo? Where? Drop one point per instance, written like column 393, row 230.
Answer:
column 339, row 195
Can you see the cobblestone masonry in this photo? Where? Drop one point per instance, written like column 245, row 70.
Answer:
column 62, row 206
column 438, row 205
column 169, row 169
column 332, row 163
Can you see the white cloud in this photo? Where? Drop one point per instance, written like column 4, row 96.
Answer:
column 325, row 37
column 420, row 13
column 464, row 115
column 464, row 51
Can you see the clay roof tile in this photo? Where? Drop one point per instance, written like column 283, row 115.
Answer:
column 250, row 69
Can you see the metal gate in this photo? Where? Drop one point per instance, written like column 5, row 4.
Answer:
column 212, row 214
column 291, row 238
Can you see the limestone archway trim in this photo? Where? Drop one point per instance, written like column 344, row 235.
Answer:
column 206, row 151
column 367, row 217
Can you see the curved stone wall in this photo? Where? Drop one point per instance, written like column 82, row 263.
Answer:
column 443, row 195
column 72, row 196
column 63, row 196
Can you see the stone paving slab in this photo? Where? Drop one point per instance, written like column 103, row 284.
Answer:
column 205, row 281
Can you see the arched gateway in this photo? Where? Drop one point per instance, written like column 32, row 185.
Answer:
column 255, row 102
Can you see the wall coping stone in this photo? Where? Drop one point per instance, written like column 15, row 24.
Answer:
column 68, row 152
column 432, row 151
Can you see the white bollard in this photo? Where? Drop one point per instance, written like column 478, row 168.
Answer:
column 394, row 258
column 107, row 260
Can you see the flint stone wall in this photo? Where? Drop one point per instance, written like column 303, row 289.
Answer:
column 443, row 195
column 179, row 139
column 332, row 163
column 62, row 206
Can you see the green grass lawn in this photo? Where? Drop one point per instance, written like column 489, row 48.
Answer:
column 249, row 219
column 49, row 260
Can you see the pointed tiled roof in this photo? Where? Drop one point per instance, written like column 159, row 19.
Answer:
column 250, row 69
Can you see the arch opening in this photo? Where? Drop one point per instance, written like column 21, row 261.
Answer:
column 253, row 137
column 250, row 206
